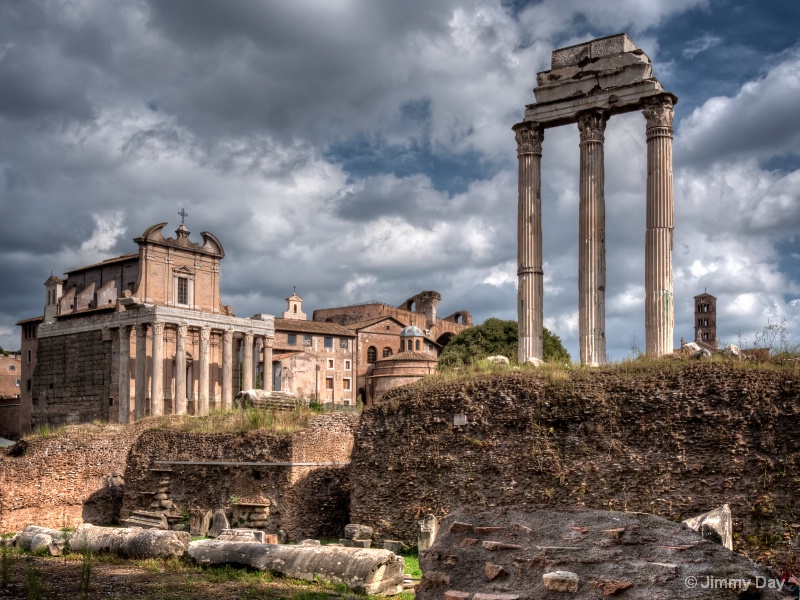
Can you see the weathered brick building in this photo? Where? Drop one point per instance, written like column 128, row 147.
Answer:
column 312, row 359
column 378, row 327
column 140, row 334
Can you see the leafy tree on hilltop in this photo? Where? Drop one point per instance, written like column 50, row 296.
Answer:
column 494, row 337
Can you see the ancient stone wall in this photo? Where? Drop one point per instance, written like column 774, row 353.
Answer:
column 674, row 439
column 303, row 501
column 65, row 479
column 71, row 383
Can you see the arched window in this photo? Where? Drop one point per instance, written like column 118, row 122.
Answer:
column 372, row 354
column 417, row 346
column 409, row 345
column 387, row 352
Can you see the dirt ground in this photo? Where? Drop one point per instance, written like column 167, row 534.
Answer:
column 60, row 579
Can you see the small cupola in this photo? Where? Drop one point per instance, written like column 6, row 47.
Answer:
column 294, row 308
column 412, row 339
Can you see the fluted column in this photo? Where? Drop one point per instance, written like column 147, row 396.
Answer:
column 202, row 396
column 180, row 370
column 530, row 284
column 659, row 318
column 140, row 390
column 266, row 381
column 157, row 379
column 592, row 240
column 124, row 377
column 227, row 369
column 247, row 362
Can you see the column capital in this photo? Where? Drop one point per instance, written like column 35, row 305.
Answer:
column 529, row 136
column 158, row 328
column 182, row 328
column 248, row 337
column 205, row 333
column 227, row 335
column 592, row 125
column 268, row 341
column 658, row 111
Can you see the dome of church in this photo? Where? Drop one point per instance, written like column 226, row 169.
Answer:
column 411, row 331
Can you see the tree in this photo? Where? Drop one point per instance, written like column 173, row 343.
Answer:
column 494, row 337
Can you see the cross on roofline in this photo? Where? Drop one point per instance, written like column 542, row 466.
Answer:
column 183, row 214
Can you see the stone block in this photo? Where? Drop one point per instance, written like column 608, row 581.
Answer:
column 561, row 581
column 490, row 596
column 427, row 528
column 241, row 536
column 199, row 522
column 468, row 542
column 147, row 520
column 357, row 532
column 493, row 571
column 715, row 525
column 218, row 522
column 355, row 543
column 457, row 527
column 395, row 546
column 456, row 595
column 493, row 546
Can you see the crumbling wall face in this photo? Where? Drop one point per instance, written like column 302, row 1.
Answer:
column 674, row 440
column 72, row 381
column 308, row 501
column 317, row 503
column 64, row 480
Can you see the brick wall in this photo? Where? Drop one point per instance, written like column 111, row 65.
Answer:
column 674, row 440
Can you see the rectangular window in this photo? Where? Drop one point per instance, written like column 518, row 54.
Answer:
column 346, row 384
column 292, row 339
column 306, row 340
column 28, row 385
column 329, row 383
column 328, row 342
column 29, row 357
column 16, row 382
column 330, row 363
column 344, row 344
column 183, row 290
column 347, row 365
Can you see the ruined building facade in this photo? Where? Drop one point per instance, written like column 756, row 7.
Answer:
column 141, row 334
column 705, row 320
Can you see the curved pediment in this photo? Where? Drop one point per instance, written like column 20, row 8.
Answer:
column 153, row 235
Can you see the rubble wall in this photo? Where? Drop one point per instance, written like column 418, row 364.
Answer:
column 65, row 479
column 303, row 501
column 673, row 439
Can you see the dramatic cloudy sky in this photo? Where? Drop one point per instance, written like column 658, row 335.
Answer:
column 362, row 149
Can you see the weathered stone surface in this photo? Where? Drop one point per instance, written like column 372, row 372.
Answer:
column 498, row 360
column 715, row 525
column 56, row 547
column 354, row 531
column 630, row 555
column 129, row 542
column 561, row 581
column 253, row 536
column 365, row 571
column 40, row 541
column 218, row 522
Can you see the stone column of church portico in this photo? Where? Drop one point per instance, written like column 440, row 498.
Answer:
column 124, row 377
column 247, row 362
column 591, row 239
column 179, row 407
column 227, row 369
column 140, row 390
column 202, row 382
column 266, row 379
column 529, row 138
column 157, row 378
column 659, row 302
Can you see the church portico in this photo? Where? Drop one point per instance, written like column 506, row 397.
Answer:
column 157, row 341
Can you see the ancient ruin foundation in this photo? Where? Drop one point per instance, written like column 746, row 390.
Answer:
column 587, row 84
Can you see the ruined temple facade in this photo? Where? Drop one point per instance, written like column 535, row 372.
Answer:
column 141, row 334
column 589, row 83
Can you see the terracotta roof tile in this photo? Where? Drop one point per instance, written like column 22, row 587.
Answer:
column 302, row 326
